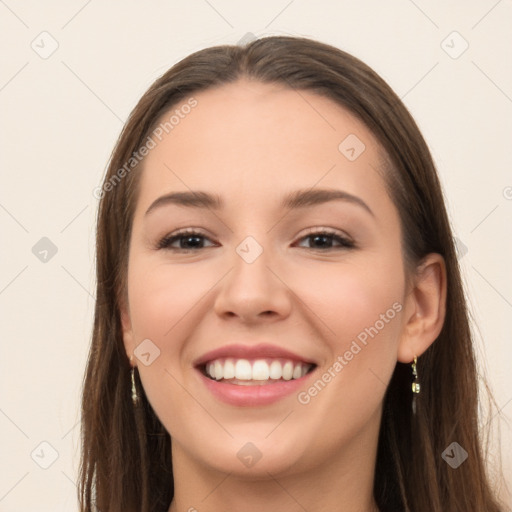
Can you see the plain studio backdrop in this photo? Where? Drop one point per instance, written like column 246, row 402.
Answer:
column 72, row 71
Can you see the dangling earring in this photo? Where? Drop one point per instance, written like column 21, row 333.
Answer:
column 415, row 384
column 135, row 398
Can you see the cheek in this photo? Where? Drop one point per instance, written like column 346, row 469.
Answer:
column 162, row 302
column 161, row 296
column 350, row 297
column 358, row 311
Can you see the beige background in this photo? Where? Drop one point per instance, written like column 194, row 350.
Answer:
column 62, row 112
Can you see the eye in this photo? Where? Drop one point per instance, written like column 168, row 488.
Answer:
column 323, row 240
column 188, row 240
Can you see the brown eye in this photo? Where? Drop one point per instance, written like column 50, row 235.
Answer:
column 324, row 240
column 187, row 241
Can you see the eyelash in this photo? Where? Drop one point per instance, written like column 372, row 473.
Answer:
column 165, row 242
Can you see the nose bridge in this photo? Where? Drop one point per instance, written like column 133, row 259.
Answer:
column 251, row 288
column 250, row 250
column 251, row 272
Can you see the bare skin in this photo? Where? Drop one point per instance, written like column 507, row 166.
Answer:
column 252, row 144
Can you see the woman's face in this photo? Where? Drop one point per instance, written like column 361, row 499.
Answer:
column 259, row 289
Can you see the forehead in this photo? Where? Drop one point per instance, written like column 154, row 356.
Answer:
column 250, row 141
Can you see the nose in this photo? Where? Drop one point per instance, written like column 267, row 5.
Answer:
column 254, row 292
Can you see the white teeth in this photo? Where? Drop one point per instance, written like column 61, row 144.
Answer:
column 276, row 370
column 218, row 370
column 258, row 370
column 288, row 370
column 243, row 370
column 229, row 369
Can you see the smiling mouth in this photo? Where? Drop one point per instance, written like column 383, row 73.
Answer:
column 254, row 372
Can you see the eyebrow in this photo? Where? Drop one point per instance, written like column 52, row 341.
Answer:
column 297, row 199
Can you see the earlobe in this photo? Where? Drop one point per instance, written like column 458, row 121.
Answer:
column 425, row 308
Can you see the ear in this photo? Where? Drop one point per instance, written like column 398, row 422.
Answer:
column 425, row 308
column 126, row 324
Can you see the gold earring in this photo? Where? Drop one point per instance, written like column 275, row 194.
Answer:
column 135, row 397
column 415, row 384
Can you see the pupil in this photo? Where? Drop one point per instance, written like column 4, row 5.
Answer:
column 321, row 237
column 188, row 238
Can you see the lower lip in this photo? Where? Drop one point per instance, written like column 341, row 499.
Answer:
column 253, row 395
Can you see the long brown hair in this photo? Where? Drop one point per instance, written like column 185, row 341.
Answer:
column 126, row 452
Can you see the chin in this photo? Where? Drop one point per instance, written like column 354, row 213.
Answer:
column 255, row 457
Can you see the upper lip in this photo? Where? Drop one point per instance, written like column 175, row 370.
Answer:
column 261, row 351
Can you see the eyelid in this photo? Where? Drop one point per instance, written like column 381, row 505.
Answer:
column 164, row 242
column 327, row 230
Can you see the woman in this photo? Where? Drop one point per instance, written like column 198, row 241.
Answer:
column 280, row 322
